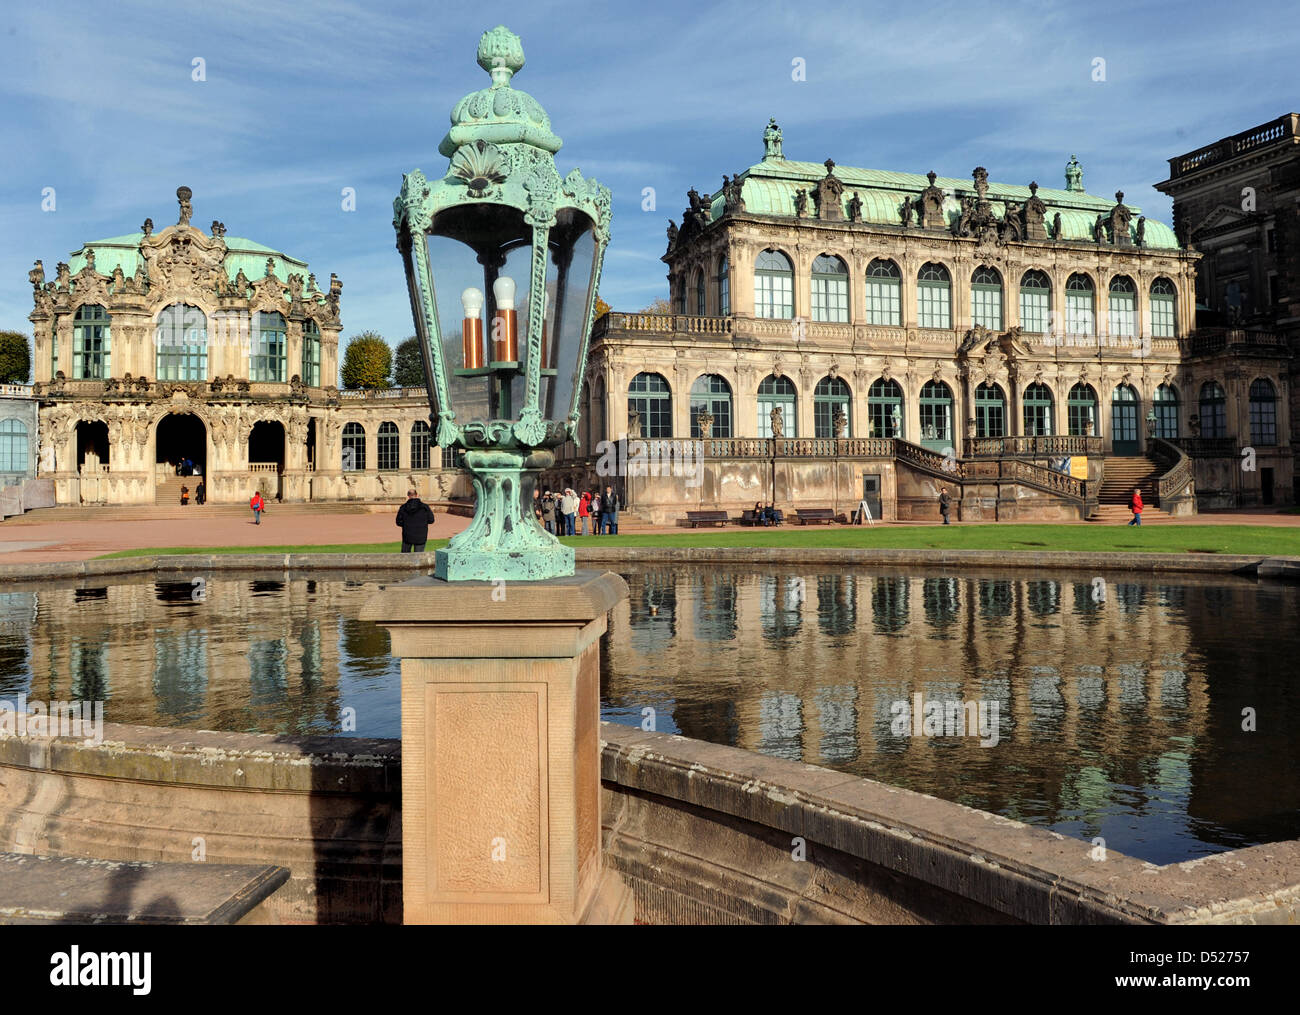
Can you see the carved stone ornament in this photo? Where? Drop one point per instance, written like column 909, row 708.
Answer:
column 1033, row 215
column 827, row 195
column 481, row 165
column 932, row 205
column 777, row 421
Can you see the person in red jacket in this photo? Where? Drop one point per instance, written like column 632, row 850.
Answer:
column 258, row 505
column 584, row 510
column 1135, row 505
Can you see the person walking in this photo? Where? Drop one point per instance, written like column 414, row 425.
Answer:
column 414, row 518
column 548, row 511
column 185, row 496
column 1135, row 505
column 945, row 504
column 584, row 511
column 258, row 505
column 201, row 493
column 569, row 509
column 610, row 506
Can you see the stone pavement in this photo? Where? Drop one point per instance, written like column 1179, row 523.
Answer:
column 60, row 534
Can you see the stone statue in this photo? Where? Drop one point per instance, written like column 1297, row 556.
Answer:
column 839, row 422
column 932, row 204
column 896, row 417
column 1120, row 216
column 1074, row 175
column 183, row 195
column 705, row 420
column 778, row 423
column 37, row 275
column 855, row 208
column 907, row 210
column 633, row 424
column 1099, row 229
column 800, row 202
column 1141, row 230
column 1033, row 214
column 147, row 228
column 672, row 234
column 218, row 229
column 1056, row 226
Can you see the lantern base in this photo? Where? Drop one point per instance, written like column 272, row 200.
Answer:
column 505, row 541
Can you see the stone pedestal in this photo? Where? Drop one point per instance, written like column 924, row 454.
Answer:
column 501, row 749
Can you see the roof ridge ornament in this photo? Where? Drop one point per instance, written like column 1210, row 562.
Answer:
column 501, row 54
column 183, row 195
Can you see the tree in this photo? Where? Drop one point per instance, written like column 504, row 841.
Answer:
column 408, row 368
column 602, row 308
column 659, row 306
column 15, row 357
column 367, row 362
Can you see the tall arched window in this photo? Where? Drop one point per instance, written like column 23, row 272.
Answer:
column 986, row 298
column 724, row 287
column 778, row 393
column 14, row 452
column 1165, row 405
column 91, row 337
column 388, row 445
column 830, row 289
column 1079, row 305
column 1263, row 412
column 933, row 297
column 268, row 357
column 1035, row 302
column 420, row 444
column 651, row 397
column 699, row 292
column 884, row 293
column 1038, row 410
column 311, row 354
column 1213, row 410
column 1123, row 307
column 1164, row 321
column 936, row 415
column 884, row 409
column 711, row 393
column 990, row 411
column 773, row 285
column 181, row 340
column 1081, row 410
column 354, row 448
column 679, row 284
column 830, row 394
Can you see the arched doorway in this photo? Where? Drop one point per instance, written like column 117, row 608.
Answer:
column 181, row 438
column 92, row 445
column 266, row 456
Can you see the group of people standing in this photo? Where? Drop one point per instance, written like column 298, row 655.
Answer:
column 566, row 513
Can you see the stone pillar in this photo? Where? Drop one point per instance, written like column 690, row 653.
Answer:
column 501, row 749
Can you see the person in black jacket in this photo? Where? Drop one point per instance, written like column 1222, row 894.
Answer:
column 414, row 518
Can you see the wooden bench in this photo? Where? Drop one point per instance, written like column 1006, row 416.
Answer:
column 747, row 518
column 815, row 516
column 697, row 518
column 76, row 890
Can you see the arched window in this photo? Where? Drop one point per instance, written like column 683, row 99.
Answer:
column 699, row 292
column 1165, row 405
column 884, row 293
column 1081, row 410
column 830, row 289
column 1123, row 307
column 420, row 444
column 181, row 340
column 1214, row 413
column 933, row 296
column 1124, row 420
column 724, row 287
column 387, row 444
column 1263, row 412
column 14, row 453
column 91, row 337
column 990, row 411
column 311, row 354
column 773, row 285
column 651, row 397
column 1035, row 302
column 884, row 409
column 777, row 393
column 830, row 394
column 1038, row 410
column 711, row 393
column 936, row 415
column 1079, row 319
column 986, row 298
column 680, row 285
column 1164, row 321
column 268, row 358
column 354, row 448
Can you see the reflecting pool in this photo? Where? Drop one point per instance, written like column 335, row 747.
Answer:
column 1097, row 708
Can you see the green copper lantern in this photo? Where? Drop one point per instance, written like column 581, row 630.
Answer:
column 503, row 261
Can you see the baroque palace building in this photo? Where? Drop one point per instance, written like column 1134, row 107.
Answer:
column 836, row 332
column 157, row 347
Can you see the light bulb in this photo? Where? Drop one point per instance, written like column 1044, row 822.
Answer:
column 472, row 300
column 504, row 291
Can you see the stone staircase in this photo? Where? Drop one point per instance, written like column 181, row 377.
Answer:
column 169, row 491
column 1123, row 473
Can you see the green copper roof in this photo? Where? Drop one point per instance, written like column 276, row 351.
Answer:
column 241, row 253
column 769, row 188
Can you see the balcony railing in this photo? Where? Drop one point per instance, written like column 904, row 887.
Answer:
column 1229, row 147
column 270, row 468
column 15, row 391
column 1211, row 340
column 349, row 394
column 1208, row 447
column 1031, row 447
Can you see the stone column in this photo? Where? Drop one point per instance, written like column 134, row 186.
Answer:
column 501, row 749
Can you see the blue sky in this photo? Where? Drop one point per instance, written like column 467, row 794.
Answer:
column 302, row 100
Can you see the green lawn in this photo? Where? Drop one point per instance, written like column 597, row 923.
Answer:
column 1244, row 539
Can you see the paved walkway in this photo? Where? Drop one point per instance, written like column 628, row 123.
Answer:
column 57, row 534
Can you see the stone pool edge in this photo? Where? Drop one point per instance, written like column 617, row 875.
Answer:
column 703, row 833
